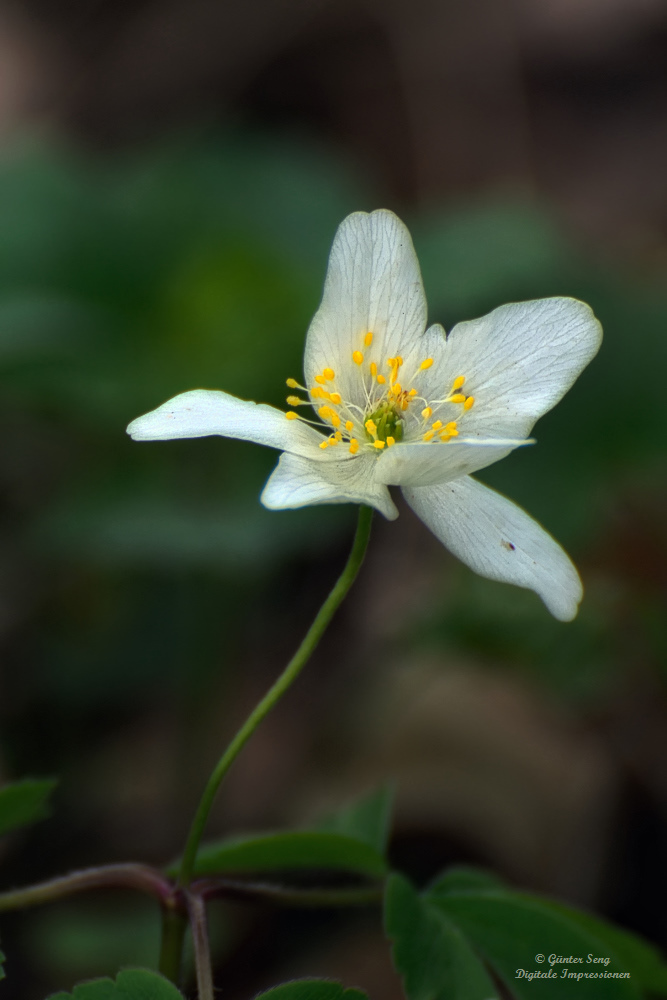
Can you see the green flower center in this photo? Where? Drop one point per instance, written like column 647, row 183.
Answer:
column 387, row 422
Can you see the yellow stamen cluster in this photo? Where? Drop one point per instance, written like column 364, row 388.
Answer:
column 399, row 397
column 445, row 432
column 394, row 364
column 456, row 396
column 387, row 405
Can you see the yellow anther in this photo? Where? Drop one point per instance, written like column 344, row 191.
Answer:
column 428, row 436
column 368, row 339
column 374, row 369
column 437, row 425
column 413, row 392
column 379, row 445
column 338, row 436
column 458, row 382
column 390, row 441
column 426, row 364
column 294, row 401
column 404, row 404
column 329, row 373
column 317, row 392
column 292, row 383
column 469, row 403
column 354, row 446
column 447, row 437
column 397, row 389
column 324, row 444
column 335, row 419
column 451, row 427
column 399, row 360
column 427, row 413
column 349, row 426
column 333, row 439
column 381, row 380
column 391, row 362
column 458, row 397
column 357, row 357
column 371, row 427
column 321, row 379
column 291, row 415
column 336, row 398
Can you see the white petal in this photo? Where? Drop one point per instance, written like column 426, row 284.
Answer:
column 203, row 412
column 499, row 540
column 373, row 284
column 297, row 482
column 426, row 463
column 519, row 360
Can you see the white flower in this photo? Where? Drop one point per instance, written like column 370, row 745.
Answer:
column 402, row 405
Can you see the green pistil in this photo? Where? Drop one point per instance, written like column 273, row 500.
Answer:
column 388, row 423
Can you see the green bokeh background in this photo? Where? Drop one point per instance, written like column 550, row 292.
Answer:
column 147, row 596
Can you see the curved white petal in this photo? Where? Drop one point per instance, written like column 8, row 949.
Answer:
column 203, row 412
column 298, row 482
column 428, row 463
column 373, row 284
column 519, row 360
column 499, row 540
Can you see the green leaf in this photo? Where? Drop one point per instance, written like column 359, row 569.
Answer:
column 99, row 989
column 464, row 879
column 24, row 802
column 432, row 955
column 131, row 984
column 641, row 959
column 353, row 839
column 647, row 969
column 299, row 849
column 367, row 820
column 511, row 929
column 312, row 989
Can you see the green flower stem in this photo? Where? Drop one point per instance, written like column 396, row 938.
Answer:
column 122, row 876
column 197, row 913
column 289, row 675
column 174, row 926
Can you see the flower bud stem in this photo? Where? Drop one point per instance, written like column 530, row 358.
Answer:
column 172, row 943
column 273, row 696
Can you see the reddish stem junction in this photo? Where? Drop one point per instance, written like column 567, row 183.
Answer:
column 180, row 905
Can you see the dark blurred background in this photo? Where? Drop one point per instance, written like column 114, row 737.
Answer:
column 171, row 176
